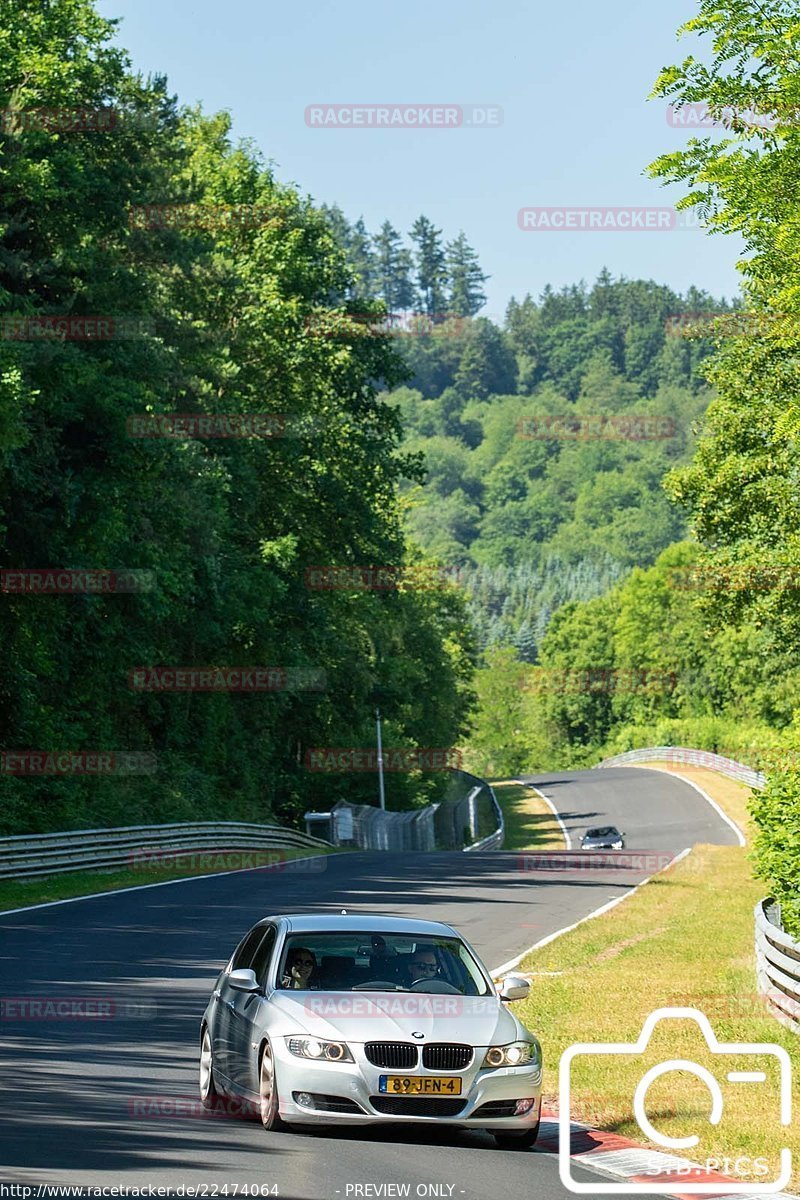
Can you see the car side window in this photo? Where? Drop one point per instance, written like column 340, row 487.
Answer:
column 244, row 953
column 263, row 955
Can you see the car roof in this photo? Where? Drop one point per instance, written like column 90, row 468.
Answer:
column 358, row 923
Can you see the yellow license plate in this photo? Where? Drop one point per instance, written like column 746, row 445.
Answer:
column 420, row 1085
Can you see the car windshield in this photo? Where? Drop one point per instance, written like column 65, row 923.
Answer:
column 609, row 831
column 345, row 962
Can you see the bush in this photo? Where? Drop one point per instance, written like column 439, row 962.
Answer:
column 776, row 812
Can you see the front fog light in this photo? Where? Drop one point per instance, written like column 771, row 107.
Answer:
column 524, row 1106
column 304, row 1099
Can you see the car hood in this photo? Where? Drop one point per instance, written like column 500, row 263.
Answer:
column 396, row 1016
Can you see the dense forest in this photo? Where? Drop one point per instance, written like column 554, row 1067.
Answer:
column 545, row 438
column 150, row 266
column 700, row 647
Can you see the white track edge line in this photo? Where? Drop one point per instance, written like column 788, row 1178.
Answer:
column 551, row 937
column 140, row 887
column 550, row 804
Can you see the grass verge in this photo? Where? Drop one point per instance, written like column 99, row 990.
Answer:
column 530, row 824
column 18, row 893
column 684, row 940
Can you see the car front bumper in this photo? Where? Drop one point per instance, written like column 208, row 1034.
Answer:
column 357, row 1082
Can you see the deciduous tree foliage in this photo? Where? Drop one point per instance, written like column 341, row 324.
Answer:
column 741, row 489
column 228, row 526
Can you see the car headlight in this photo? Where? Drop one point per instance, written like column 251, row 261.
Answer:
column 616, row 846
column 314, row 1048
column 517, row 1054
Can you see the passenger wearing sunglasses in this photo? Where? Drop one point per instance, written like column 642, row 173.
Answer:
column 300, row 968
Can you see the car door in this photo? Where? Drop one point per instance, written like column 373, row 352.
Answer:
column 245, row 1015
column 222, row 1026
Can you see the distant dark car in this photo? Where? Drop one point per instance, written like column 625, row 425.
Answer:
column 606, row 838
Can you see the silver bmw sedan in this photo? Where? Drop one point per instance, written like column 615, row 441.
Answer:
column 362, row 1019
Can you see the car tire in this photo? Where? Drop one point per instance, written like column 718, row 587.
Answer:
column 517, row 1141
column 208, row 1089
column 268, row 1097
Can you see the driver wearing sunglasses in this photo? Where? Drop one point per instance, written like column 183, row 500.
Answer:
column 422, row 965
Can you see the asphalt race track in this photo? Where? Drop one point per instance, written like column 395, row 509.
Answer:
column 71, row 1091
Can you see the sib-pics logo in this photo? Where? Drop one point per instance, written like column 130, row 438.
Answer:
column 739, row 1065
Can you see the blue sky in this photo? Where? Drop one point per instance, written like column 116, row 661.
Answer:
column 571, row 79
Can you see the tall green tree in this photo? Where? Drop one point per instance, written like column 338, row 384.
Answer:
column 431, row 266
column 393, row 267
column 466, row 279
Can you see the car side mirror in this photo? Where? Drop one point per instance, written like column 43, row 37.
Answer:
column 244, row 980
column 514, row 987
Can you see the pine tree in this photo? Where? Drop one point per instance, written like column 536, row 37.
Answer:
column 393, row 266
column 466, row 278
column 431, row 265
column 361, row 261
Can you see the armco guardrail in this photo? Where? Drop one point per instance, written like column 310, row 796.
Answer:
column 493, row 841
column 694, row 758
column 82, row 849
column 777, row 967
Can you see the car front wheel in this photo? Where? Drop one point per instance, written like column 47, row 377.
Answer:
column 269, row 1102
column 517, row 1141
column 208, row 1090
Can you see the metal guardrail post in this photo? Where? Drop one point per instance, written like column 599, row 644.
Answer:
column 777, row 969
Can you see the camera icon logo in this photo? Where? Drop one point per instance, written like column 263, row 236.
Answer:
column 729, row 1073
